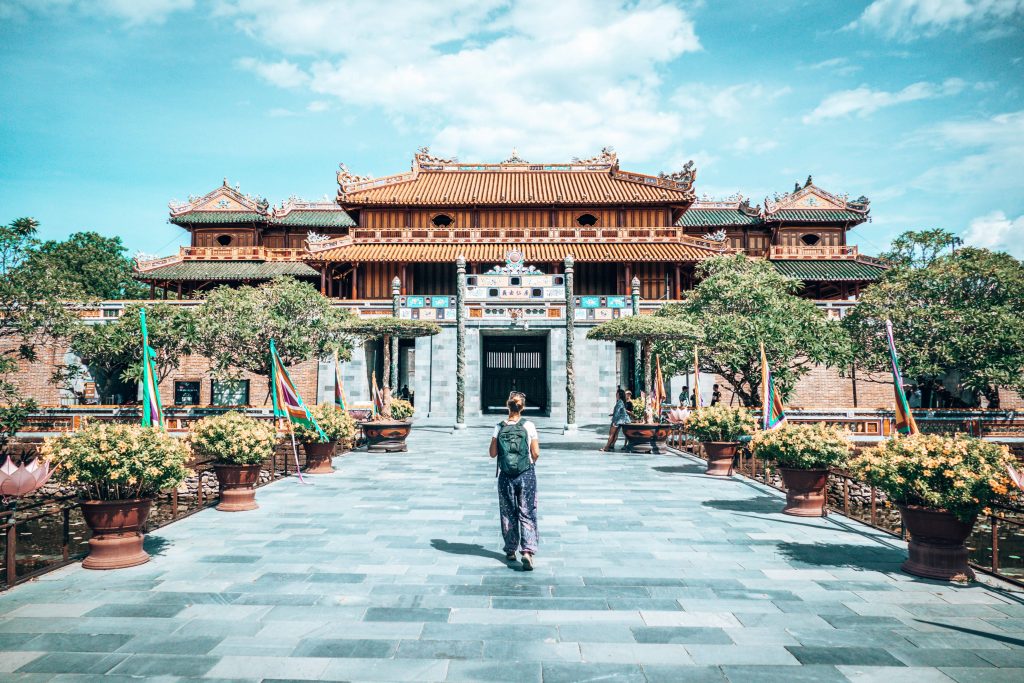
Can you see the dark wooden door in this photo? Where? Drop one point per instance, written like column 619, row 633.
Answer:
column 515, row 364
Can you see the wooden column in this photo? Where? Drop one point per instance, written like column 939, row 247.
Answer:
column 355, row 277
column 323, row 279
column 404, row 275
column 679, row 282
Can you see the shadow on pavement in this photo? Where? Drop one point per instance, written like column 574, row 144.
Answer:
column 875, row 557
column 681, row 469
column 757, row 504
column 466, row 549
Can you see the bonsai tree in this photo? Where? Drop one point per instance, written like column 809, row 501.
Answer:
column 956, row 315
column 385, row 328
column 233, row 439
column 803, row 446
column 739, row 303
column 720, row 423
column 646, row 330
column 337, row 424
column 234, row 327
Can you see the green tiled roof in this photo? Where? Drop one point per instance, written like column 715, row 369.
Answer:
column 218, row 217
column 829, row 270
column 316, row 219
column 228, row 270
column 815, row 216
column 713, row 217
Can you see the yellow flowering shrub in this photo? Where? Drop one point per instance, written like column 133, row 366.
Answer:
column 803, row 446
column 720, row 423
column 234, row 439
column 960, row 474
column 109, row 461
column 337, row 424
column 401, row 409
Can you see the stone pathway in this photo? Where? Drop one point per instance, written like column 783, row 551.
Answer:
column 391, row 570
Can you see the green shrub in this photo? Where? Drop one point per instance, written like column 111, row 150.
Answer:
column 234, row 439
column 337, row 424
column 803, row 447
column 720, row 423
column 118, row 461
column 401, row 409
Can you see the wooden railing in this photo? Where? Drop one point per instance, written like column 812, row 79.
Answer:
column 803, row 252
column 541, row 234
column 225, row 254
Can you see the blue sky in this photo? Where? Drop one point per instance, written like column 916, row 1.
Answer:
column 112, row 109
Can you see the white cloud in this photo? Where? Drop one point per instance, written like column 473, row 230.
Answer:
column 994, row 156
column 996, row 231
column 283, row 74
column 840, row 66
column 909, row 19
column 864, row 101
column 745, row 145
column 131, row 12
column 317, row 106
column 477, row 78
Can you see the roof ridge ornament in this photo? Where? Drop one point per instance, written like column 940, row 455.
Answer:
column 606, row 157
column 515, row 158
column 423, row 155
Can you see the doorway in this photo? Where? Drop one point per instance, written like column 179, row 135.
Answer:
column 514, row 363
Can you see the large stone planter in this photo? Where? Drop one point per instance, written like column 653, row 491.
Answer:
column 646, row 438
column 805, row 491
column 720, row 456
column 116, row 532
column 318, row 457
column 386, row 436
column 937, row 547
column 237, row 486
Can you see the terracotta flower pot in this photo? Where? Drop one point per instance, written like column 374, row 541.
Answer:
column 646, row 438
column 318, row 457
column 237, row 486
column 805, row 491
column 116, row 532
column 386, row 436
column 720, row 456
column 937, row 547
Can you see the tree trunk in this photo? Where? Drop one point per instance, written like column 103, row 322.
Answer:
column 648, row 351
column 386, row 379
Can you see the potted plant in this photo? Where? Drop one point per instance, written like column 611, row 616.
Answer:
column 647, row 433
column 236, row 444
column 940, row 484
column 118, row 470
column 719, row 428
column 804, row 454
column 387, row 433
column 339, row 428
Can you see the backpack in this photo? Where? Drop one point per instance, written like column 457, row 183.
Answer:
column 513, row 449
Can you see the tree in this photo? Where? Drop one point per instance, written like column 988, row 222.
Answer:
column 961, row 315
column 918, row 248
column 234, row 327
column 385, row 328
column 32, row 312
column 741, row 302
column 646, row 330
column 96, row 264
column 112, row 351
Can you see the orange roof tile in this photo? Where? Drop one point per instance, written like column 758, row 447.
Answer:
column 533, row 253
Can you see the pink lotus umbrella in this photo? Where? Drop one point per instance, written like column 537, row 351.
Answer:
column 23, row 479
column 678, row 415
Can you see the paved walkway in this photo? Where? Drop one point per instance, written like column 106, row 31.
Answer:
column 391, row 570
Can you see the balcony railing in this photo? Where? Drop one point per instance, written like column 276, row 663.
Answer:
column 803, row 252
column 540, row 234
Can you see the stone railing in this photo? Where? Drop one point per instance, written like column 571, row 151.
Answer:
column 547, row 234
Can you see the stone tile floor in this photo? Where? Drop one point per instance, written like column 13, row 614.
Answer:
column 391, row 570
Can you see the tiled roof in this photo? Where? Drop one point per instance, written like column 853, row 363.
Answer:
column 452, row 188
column 218, row 217
column 546, row 252
column 315, row 219
column 829, row 270
column 699, row 217
column 815, row 216
column 228, row 270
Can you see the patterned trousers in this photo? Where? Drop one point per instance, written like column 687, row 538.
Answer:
column 517, row 501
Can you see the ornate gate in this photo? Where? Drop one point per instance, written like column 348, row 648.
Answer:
column 515, row 364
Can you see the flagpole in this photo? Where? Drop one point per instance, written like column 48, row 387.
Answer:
column 295, row 450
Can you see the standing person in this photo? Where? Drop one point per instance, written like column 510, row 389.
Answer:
column 684, row 397
column 516, row 446
column 619, row 418
column 716, row 395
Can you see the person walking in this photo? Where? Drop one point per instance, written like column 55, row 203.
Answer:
column 716, row 395
column 619, row 417
column 515, row 445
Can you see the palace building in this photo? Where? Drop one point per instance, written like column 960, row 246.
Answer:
column 391, row 244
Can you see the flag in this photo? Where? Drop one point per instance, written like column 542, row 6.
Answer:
column 659, row 388
column 1015, row 476
column 152, row 411
column 696, row 380
column 339, row 388
column 905, row 423
column 771, row 401
column 376, row 398
column 287, row 402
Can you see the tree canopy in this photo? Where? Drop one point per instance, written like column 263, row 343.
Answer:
column 644, row 328
column 918, row 248
column 96, row 265
column 959, row 315
column 739, row 303
column 234, row 326
column 379, row 327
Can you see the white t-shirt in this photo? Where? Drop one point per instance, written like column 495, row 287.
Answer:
column 531, row 430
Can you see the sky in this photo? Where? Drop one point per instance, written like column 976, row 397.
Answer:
column 111, row 109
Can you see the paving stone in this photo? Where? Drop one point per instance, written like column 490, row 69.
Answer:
column 890, row 674
column 868, row 656
column 73, row 662
column 784, row 674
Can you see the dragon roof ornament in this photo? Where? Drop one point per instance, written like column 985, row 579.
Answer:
column 607, row 157
column 811, row 193
column 254, row 203
column 423, row 156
